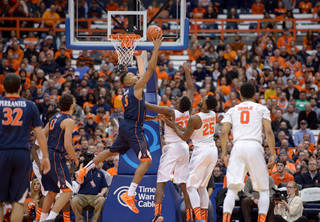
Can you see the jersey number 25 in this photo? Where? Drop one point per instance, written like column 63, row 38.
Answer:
column 208, row 128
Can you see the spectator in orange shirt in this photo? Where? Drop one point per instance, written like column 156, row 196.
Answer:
column 309, row 39
column 230, row 54
column 305, row 6
column 165, row 101
column 12, row 62
column 257, row 8
column 280, row 11
column 276, row 57
column 58, row 78
column 112, row 6
column 153, row 9
column 161, row 74
column 290, row 168
column 16, row 51
column 114, row 170
column 194, row 52
column 281, row 176
column 285, row 39
column 101, row 117
column 50, row 14
column 199, row 11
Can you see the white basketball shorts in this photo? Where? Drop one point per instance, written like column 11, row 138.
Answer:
column 202, row 163
column 247, row 155
column 174, row 160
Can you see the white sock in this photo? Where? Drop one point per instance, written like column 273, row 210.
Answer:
column 229, row 201
column 132, row 189
column 43, row 216
column 194, row 197
column 263, row 203
column 204, row 197
column 89, row 166
column 52, row 215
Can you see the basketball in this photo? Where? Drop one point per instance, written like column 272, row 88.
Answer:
column 153, row 31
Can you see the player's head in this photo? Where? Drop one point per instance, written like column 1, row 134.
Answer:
column 11, row 83
column 66, row 102
column 208, row 102
column 128, row 78
column 51, row 113
column 247, row 90
column 183, row 104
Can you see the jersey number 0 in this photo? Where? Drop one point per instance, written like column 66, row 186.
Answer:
column 244, row 117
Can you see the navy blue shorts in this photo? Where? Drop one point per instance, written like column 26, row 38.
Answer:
column 131, row 135
column 58, row 177
column 14, row 175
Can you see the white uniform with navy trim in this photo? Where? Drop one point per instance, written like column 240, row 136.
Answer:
column 205, row 153
column 247, row 153
column 175, row 153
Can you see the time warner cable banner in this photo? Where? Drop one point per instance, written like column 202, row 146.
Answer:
column 115, row 210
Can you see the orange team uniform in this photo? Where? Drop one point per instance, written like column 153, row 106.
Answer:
column 295, row 67
column 284, row 41
column 277, row 180
column 257, row 9
column 307, row 43
column 290, row 165
column 112, row 171
column 168, row 103
column 48, row 14
column 280, row 60
column 105, row 120
column 305, row 7
column 198, row 13
column 193, row 55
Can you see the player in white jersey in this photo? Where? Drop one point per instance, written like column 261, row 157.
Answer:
column 175, row 152
column 200, row 129
column 247, row 153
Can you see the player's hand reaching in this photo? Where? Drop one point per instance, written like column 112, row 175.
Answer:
column 45, row 165
column 170, row 122
column 160, row 117
column 271, row 162
column 186, row 66
column 157, row 42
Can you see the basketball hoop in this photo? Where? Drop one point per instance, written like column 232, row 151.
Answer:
column 125, row 45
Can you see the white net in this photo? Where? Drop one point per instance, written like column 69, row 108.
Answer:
column 125, row 45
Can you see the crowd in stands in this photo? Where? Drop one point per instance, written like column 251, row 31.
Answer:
column 287, row 80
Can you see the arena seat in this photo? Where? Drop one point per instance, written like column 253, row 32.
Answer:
column 302, row 16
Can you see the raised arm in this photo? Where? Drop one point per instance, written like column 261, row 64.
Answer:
column 190, row 93
column 67, row 125
column 160, row 109
column 192, row 125
column 270, row 140
column 141, row 69
column 152, row 65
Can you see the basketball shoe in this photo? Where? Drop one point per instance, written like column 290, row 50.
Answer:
column 129, row 201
